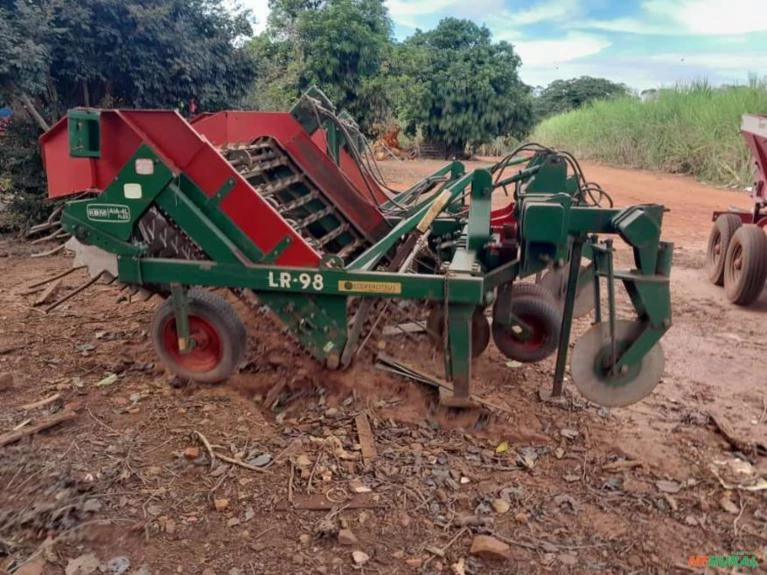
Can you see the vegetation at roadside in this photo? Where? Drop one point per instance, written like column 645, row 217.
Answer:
column 564, row 95
column 690, row 129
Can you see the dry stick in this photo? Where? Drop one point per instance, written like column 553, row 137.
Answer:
column 42, row 402
column 290, row 482
column 32, row 111
column 49, row 252
column 101, row 423
column 311, row 475
column 209, row 449
column 22, row 424
column 444, row 549
column 764, row 411
column 52, row 236
column 15, row 436
column 240, row 463
column 42, row 227
column 86, row 285
column 742, row 509
column 56, row 277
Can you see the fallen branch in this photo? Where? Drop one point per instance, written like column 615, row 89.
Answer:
column 737, row 443
column 56, row 277
column 50, row 252
column 49, row 292
column 22, row 424
column 42, row 402
column 366, row 437
column 15, row 436
column 239, row 463
column 208, row 448
column 74, row 293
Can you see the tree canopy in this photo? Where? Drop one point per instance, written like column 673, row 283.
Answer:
column 564, row 95
column 130, row 53
column 339, row 45
column 463, row 88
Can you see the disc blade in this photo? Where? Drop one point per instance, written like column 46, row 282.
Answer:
column 594, row 386
column 556, row 282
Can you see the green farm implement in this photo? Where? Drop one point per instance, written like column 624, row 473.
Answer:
column 287, row 210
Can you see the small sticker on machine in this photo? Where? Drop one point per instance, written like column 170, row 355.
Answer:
column 369, row 287
column 112, row 213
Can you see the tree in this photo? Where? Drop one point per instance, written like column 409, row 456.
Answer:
column 59, row 54
column 339, row 45
column 564, row 95
column 462, row 88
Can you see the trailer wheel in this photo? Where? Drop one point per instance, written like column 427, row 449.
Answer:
column 545, row 321
column 745, row 269
column 219, row 338
column 718, row 240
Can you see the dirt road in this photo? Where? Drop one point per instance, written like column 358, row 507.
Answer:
column 571, row 488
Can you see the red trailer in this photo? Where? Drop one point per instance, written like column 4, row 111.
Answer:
column 736, row 256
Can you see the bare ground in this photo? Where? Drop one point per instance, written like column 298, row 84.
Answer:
column 570, row 487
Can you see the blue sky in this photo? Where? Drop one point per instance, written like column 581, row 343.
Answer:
column 644, row 43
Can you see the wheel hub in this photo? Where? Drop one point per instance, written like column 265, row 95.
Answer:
column 205, row 350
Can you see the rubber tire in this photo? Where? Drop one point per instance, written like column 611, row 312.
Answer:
column 550, row 317
column 533, row 290
column 480, row 329
column 745, row 289
column 723, row 229
column 222, row 316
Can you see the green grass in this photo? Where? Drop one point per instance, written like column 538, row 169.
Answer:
column 692, row 129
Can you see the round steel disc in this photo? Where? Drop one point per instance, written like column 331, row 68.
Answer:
column 595, row 385
column 556, row 282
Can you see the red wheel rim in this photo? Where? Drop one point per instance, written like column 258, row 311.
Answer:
column 537, row 335
column 207, row 350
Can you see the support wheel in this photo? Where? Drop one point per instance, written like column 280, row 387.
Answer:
column 718, row 240
column 480, row 329
column 745, row 266
column 591, row 376
column 545, row 321
column 219, row 338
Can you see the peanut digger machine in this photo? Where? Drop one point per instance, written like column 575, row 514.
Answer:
column 287, row 211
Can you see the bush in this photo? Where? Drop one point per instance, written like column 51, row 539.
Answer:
column 692, row 129
column 22, row 175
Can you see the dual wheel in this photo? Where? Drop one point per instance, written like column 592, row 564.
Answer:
column 736, row 257
column 533, row 305
column 218, row 335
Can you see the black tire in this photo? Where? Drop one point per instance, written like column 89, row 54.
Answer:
column 480, row 329
column 213, row 321
column 719, row 238
column 544, row 318
column 745, row 267
column 533, row 290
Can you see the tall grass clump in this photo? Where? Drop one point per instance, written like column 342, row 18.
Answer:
column 690, row 129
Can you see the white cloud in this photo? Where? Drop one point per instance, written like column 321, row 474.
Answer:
column 546, row 12
column 715, row 17
column 260, row 9
column 627, row 25
column 655, row 71
column 423, row 13
column 537, row 53
column 690, row 17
